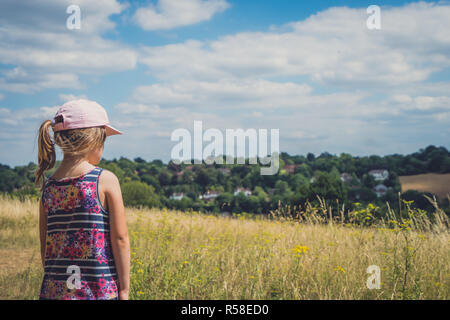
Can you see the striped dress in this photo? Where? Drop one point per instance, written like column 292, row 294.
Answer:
column 79, row 263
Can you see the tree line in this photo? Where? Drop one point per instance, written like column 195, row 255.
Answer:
column 342, row 179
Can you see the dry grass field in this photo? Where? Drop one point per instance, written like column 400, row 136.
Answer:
column 438, row 184
column 194, row 256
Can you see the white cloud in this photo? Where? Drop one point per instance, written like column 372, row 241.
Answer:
column 442, row 116
column 138, row 108
column 226, row 94
column 48, row 112
column 34, row 38
column 4, row 111
column 419, row 103
column 169, row 14
column 333, row 47
column 401, row 98
column 30, row 83
column 69, row 97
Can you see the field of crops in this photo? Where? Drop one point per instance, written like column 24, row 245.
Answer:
column 193, row 256
column 438, row 184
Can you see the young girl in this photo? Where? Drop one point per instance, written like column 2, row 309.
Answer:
column 84, row 239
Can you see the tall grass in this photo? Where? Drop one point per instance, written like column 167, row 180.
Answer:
column 296, row 254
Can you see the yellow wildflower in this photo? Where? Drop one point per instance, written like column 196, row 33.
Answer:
column 299, row 250
column 340, row 269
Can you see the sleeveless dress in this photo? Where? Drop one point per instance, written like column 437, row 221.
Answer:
column 79, row 263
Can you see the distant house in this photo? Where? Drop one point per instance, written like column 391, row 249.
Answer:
column 246, row 192
column 380, row 190
column 290, row 168
column 346, row 177
column 189, row 168
column 379, row 174
column 179, row 174
column 209, row 195
column 177, row 196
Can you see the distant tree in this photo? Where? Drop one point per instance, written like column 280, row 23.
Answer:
column 158, row 163
column 281, row 187
column 151, row 181
column 225, row 201
column 346, row 163
column 173, row 166
column 136, row 193
column 8, row 179
column 183, row 204
column 187, row 177
column 304, row 170
column 311, row 157
column 437, row 161
column 369, row 181
column 301, row 195
column 260, row 193
column 327, row 187
column 367, row 194
column 393, row 181
column 164, row 178
column 419, row 200
column 203, row 178
column 334, row 174
column 297, row 180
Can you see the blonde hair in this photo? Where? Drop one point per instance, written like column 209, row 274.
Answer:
column 72, row 142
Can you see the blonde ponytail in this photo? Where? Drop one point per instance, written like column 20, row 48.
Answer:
column 46, row 152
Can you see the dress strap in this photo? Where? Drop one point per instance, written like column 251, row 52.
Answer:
column 97, row 172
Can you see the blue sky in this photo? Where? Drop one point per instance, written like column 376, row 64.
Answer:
column 311, row 69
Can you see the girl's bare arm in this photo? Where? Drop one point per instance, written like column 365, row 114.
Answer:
column 42, row 230
column 109, row 184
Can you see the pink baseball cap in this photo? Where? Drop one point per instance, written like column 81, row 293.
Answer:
column 82, row 113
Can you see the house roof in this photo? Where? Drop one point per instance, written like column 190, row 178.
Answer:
column 378, row 171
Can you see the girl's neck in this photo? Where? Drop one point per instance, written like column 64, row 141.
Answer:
column 72, row 166
column 74, row 161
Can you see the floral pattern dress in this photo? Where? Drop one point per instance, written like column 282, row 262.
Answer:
column 79, row 263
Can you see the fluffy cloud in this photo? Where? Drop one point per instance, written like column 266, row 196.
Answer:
column 169, row 14
column 333, row 47
column 421, row 103
column 19, row 81
column 34, row 38
column 225, row 94
column 68, row 97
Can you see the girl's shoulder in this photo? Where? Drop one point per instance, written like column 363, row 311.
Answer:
column 108, row 179
column 108, row 176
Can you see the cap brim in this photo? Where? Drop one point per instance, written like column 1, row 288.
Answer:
column 111, row 131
